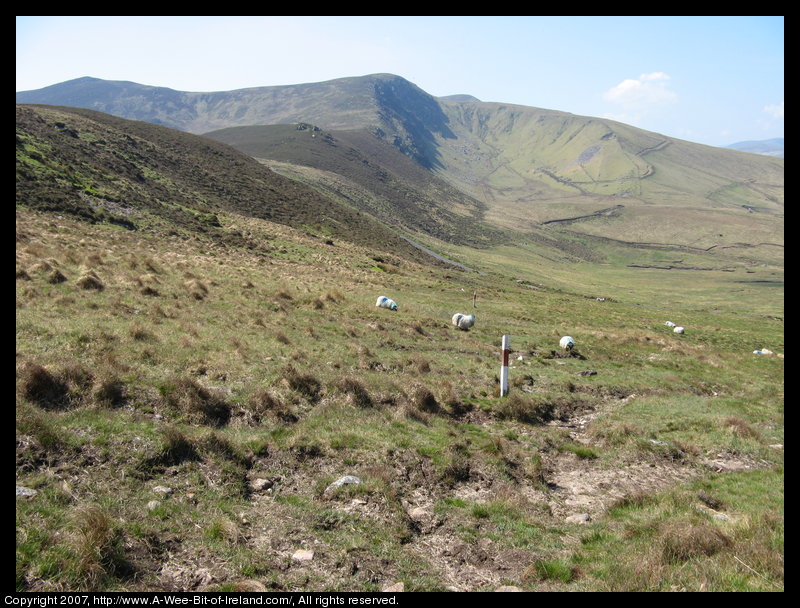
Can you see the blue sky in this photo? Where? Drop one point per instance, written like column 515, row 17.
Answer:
column 713, row 80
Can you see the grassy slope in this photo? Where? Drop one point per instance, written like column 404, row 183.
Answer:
column 536, row 165
column 136, row 174
column 204, row 368
column 369, row 175
column 170, row 356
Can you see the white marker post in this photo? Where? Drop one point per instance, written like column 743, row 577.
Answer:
column 504, row 368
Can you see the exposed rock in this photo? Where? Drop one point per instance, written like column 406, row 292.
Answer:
column 259, row 484
column 578, row 518
column 303, row 555
column 347, row 479
column 396, row 588
column 26, row 492
column 418, row 513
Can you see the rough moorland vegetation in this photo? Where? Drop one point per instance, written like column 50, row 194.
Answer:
column 207, row 397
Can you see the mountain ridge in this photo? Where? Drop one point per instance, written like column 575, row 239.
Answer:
column 528, row 166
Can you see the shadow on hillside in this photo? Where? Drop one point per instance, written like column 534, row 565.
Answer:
column 416, row 118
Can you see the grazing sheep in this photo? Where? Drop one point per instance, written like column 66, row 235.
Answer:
column 678, row 330
column 463, row 321
column 669, row 324
column 567, row 342
column 384, row 302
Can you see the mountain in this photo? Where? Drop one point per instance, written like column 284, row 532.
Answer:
column 526, row 168
column 138, row 175
column 360, row 170
column 770, row 147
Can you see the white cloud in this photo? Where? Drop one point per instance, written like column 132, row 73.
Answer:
column 775, row 110
column 639, row 93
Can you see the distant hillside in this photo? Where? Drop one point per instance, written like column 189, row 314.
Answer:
column 137, row 175
column 769, row 147
column 407, row 116
column 369, row 175
column 527, row 167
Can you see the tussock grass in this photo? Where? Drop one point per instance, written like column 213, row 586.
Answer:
column 197, row 403
column 127, row 389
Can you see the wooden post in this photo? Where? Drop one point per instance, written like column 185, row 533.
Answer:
column 474, row 297
column 504, row 368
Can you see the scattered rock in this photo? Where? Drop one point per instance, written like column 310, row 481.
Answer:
column 163, row 490
column 587, row 372
column 418, row 513
column 578, row 518
column 153, row 504
column 508, row 588
column 303, row 555
column 347, row 479
column 26, row 492
column 396, row 588
column 259, row 484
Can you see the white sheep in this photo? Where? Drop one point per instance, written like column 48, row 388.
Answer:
column 463, row 321
column 567, row 342
column 384, row 302
column 669, row 324
column 678, row 330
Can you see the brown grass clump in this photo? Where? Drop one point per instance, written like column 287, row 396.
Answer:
column 355, row 392
column 108, row 392
column 333, row 296
column 523, row 409
column 95, row 543
column 197, row 402
column 741, row 428
column 90, row 281
column 423, row 400
column 265, row 402
column 197, row 289
column 683, row 541
column 141, row 334
column 42, row 387
column 305, row 384
column 458, row 467
column 56, row 276
column 177, row 447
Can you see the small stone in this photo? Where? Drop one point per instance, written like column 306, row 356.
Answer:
column 26, row 492
column 303, row 555
column 163, row 490
column 579, row 518
column 347, row 479
column 418, row 513
column 508, row 588
column 396, row 588
column 153, row 504
column 260, row 484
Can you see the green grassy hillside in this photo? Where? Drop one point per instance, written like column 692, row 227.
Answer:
column 139, row 175
column 534, row 166
column 183, row 407
column 525, row 166
column 362, row 171
column 199, row 359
